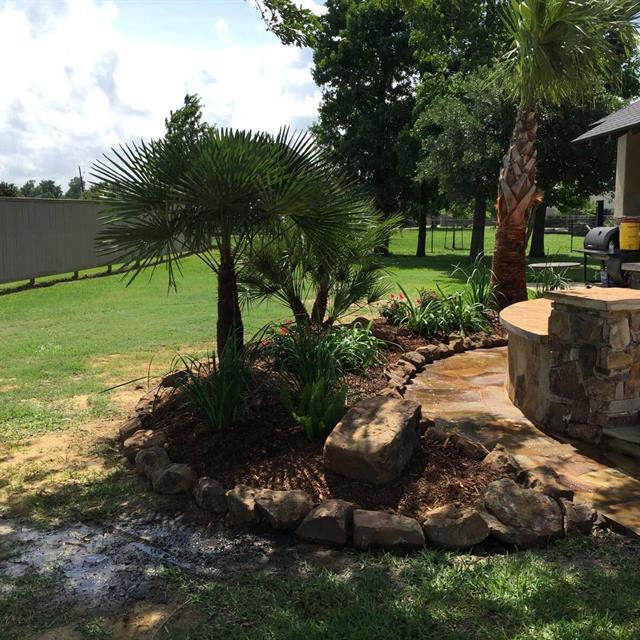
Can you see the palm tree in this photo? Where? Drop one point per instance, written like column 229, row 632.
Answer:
column 214, row 197
column 559, row 49
column 295, row 270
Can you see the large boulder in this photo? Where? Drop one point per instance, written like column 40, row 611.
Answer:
column 209, row 495
column 374, row 440
column 142, row 440
column 151, row 462
column 176, row 478
column 241, row 502
column 520, row 516
column 380, row 530
column 329, row 523
column 454, row 528
column 283, row 510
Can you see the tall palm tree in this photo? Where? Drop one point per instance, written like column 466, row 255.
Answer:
column 213, row 197
column 559, row 49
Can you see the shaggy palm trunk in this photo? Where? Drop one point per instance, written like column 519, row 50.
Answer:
column 321, row 301
column 229, row 326
column 477, row 233
column 517, row 195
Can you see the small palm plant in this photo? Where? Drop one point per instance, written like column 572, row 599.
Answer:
column 557, row 49
column 217, row 196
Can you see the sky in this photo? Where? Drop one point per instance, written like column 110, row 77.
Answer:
column 80, row 76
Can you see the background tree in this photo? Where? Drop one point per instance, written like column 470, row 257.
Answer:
column 44, row 189
column 462, row 133
column 8, row 189
column 364, row 65
column 289, row 21
column 558, row 50
column 186, row 124
column 76, row 188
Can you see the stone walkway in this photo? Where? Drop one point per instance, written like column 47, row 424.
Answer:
column 466, row 392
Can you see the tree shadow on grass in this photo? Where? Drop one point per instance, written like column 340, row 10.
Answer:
column 432, row 595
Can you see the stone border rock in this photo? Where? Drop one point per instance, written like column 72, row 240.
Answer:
column 527, row 513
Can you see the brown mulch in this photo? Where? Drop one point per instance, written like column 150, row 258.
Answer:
column 267, row 449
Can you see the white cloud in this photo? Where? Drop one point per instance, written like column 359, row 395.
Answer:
column 75, row 85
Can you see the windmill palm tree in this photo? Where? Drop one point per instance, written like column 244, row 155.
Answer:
column 214, row 196
column 559, row 49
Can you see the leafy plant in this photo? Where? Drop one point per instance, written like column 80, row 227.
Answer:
column 548, row 279
column 356, row 348
column 216, row 388
column 478, row 281
column 317, row 407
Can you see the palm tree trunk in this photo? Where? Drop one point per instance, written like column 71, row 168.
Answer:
column 477, row 233
column 536, row 249
column 321, row 302
column 229, row 325
column 517, row 195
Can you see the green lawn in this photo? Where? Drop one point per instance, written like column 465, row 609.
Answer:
column 75, row 339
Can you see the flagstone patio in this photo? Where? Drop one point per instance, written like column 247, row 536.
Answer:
column 467, row 393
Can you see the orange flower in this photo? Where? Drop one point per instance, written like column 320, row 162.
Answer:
column 283, row 330
column 392, row 296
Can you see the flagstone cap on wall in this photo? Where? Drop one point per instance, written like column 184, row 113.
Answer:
column 528, row 319
column 598, row 298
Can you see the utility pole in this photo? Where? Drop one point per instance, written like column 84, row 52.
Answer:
column 81, row 179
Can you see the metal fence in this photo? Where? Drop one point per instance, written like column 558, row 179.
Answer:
column 41, row 237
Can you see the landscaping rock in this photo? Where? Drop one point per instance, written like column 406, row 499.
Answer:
column 242, row 505
column 458, row 346
column 361, row 322
column 430, row 351
column 209, row 495
column 142, row 440
column 578, row 517
column 374, row 440
column 176, row 478
column 174, row 380
column 469, row 446
column 502, row 461
column 149, row 401
column 545, row 479
column 426, row 424
column 402, row 369
column 415, row 358
column 445, row 350
column 283, row 510
column 329, row 523
column 129, row 428
column 526, row 518
column 151, row 462
column 392, row 392
column 454, row 528
column 379, row 530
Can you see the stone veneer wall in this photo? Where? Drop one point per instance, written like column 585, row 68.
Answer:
column 594, row 375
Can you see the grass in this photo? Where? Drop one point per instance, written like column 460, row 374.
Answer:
column 576, row 590
column 70, row 341
column 80, row 338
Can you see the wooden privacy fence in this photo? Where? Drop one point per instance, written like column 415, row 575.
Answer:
column 41, row 237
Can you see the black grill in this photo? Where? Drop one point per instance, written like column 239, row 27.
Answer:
column 597, row 240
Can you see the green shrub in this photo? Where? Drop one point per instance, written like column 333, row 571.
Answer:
column 216, row 389
column 356, row 349
column 548, row 279
column 435, row 314
column 478, row 282
column 317, row 407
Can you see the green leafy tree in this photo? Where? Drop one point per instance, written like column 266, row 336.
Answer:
column 8, row 189
column 214, row 197
column 364, row 65
column 557, row 50
column 289, row 21
column 464, row 131
column 186, row 123
column 76, row 188
column 28, row 189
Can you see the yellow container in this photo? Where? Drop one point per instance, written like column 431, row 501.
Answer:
column 630, row 234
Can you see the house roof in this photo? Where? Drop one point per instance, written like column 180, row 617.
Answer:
column 614, row 124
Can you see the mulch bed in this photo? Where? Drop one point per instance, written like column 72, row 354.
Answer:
column 268, row 449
